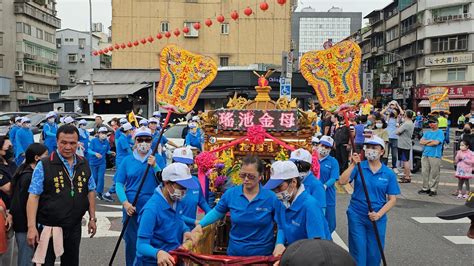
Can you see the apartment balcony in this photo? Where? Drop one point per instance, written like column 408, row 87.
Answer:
column 33, row 12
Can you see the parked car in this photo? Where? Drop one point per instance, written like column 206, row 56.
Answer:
column 107, row 118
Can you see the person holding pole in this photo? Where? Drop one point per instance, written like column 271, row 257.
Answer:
column 128, row 178
column 382, row 188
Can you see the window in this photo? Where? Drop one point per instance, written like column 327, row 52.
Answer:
column 19, row 27
column 72, row 58
column 1, row 61
column 452, row 43
column 1, row 38
column 39, row 34
column 224, row 61
column 82, row 43
column 456, row 74
column 225, row 28
column 164, row 26
column 72, row 74
column 192, row 31
column 49, row 37
column 392, row 34
column 26, row 29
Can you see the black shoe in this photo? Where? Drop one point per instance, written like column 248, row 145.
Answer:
column 422, row 191
column 433, row 193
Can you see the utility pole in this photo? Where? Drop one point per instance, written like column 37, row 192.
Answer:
column 90, row 96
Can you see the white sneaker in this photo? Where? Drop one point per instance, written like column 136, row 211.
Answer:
column 465, row 196
column 395, row 170
column 459, row 196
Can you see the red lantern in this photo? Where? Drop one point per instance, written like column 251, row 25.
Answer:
column 150, row 39
column 106, row 50
column 117, row 46
column 248, row 11
column 136, row 43
column 186, row 30
column 220, row 18
column 123, row 46
column 197, row 25
column 234, row 15
column 281, row 2
column 111, row 48
column 129, row 44
column 264, row 6
column 101, row 52
column 208, row 22
column 159, row 36
column 167, row 34
column 176, row 32
column 143, row 41
column 95, row 53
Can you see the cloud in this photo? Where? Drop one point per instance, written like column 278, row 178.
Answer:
column 74, row 14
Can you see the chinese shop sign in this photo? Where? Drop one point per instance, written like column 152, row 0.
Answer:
column 271, row 120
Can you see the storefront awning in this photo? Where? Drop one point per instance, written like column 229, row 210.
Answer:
column 452, row 103
column 103, row 91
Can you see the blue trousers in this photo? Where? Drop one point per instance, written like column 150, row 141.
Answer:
column 25, row 252
column 331, row 217
column 130, row 237
column 393, row 146
column 362, row 242
column 98, row 173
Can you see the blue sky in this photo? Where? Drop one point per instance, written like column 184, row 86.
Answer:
column 75, row 13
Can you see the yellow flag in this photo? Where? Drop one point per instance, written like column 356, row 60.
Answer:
column 132, row 119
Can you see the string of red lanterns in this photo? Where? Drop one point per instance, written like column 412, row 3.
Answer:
column 234, row 15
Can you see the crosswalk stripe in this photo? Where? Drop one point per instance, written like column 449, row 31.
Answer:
column 338, row 240
column 460, row 240
column 436, row 220
column 111, row 206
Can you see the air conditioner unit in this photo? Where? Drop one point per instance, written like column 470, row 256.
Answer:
column 467, row 15
column 29, row 56
column 72, row 80
column 82, row 60
column 18, row 73
column 58, row 45
column 81, row 46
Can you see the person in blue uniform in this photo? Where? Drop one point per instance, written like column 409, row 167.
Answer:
column 99, row 148
column 123, row 148
column 157, row 116
column 49, row 132
column 329, row 174
column 303, row 159
column 83, row 137
column 296, row 218
column 382, row 186
column 128, row 178
column 193, row 197
column 252, row 213
column 143, row 123
column 118, row 132
column 161, row 227
column 23, row 139
column 153, row 125
column 194, row 137
column 14, row 128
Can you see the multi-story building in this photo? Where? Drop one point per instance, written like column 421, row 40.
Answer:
column 258, row 38
column 28, row 57
column 310, row 29
column 434, row 38
column 74, row 55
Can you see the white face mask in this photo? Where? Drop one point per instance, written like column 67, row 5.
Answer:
column 177, row 195
column 102, row 136
column 285, row 197
column 27, row 125
column 51, row 120
column 323, row 152
column 372, row 155
column 143, row 147
column 378, row 125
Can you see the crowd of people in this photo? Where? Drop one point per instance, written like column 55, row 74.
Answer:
column 46, row 188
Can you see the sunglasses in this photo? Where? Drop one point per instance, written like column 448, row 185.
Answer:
column 248, row 176
column 140, row 140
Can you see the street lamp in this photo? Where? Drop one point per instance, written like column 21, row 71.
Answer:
column 404, row 76
column 90, row 96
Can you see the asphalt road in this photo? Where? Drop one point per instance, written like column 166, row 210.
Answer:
column 414, row 235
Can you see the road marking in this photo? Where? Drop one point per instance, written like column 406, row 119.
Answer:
column 338, row 240
column 111, row 206
column 103, row 224
column 460, row 240
column 436, row 220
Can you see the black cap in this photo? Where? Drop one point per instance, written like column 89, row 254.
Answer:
column 459, row 212
column 315, row 252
